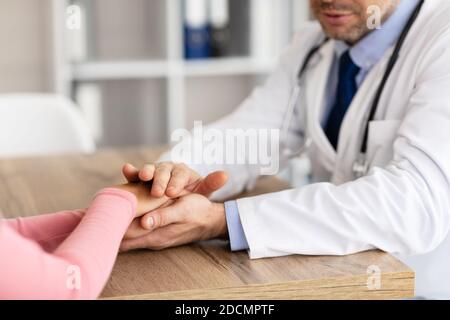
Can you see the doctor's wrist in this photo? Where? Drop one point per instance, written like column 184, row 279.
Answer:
column 220, row 225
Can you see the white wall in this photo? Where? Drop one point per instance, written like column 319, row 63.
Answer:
column 134, row 111
column 210, row 98
column 25, row 45
column 116, row 20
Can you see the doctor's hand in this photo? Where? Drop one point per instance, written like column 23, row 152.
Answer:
column 188, row 219
column 175, row 179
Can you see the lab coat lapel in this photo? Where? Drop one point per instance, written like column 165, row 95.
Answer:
column 315, row 87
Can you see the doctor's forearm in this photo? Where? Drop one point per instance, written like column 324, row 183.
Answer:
column 324, row 219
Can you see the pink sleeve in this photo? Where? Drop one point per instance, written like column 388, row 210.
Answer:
column 48, row 230
column 80, row 266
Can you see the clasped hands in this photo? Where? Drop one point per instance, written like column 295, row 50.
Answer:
column 173, row 208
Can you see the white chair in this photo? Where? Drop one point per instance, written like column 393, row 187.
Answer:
column 41, row 124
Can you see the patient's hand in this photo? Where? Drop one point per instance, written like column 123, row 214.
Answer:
column 145, row 202
column 139, row 226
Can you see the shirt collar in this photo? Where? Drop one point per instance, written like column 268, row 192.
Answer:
column 369, row 50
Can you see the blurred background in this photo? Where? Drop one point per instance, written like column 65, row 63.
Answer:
column 138, row 69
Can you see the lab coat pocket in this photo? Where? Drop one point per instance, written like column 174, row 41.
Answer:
column 380, row 148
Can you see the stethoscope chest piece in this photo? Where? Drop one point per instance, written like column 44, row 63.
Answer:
column 360, row 166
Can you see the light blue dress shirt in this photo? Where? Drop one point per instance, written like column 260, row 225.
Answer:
column 365, row 54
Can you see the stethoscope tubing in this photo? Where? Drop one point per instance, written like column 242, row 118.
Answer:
column 360, row 163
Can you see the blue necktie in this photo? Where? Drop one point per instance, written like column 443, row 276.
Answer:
column 345, row 92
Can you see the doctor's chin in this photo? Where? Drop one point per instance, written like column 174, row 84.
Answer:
column 226, row 155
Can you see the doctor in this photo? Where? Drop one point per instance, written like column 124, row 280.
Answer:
column 373, row 107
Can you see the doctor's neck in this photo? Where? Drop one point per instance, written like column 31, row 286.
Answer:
column 351, row 20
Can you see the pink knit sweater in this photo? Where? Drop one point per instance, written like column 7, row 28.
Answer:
column 66, row 255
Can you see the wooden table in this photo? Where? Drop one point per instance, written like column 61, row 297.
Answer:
column 206, row 270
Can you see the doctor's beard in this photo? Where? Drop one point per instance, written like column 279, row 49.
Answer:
column 347, row 20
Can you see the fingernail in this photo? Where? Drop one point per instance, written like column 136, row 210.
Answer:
column 150, row 222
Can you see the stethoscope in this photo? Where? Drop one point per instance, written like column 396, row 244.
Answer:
column 360, row 166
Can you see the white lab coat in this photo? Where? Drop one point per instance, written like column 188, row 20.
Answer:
column 403, row 205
